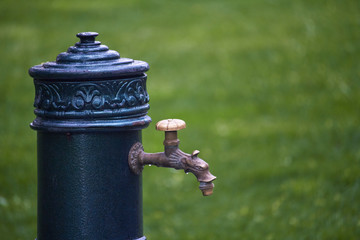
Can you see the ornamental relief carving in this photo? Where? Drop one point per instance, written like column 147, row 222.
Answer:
column 112, row 94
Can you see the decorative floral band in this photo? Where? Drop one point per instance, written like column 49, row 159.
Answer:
column 106, row 98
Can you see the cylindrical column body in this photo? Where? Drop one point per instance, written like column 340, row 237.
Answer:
column 85, row 188
column 90, row 107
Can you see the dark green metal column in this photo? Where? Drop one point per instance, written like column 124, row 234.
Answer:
column 85, row 188
column 90, row 107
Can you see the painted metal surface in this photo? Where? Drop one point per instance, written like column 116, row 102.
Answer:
column 85, row 188
column 90, row 107
column 90, row 87
column 88, row 59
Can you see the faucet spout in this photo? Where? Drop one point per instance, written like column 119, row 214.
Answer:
column 173, row 157
column 177, row 159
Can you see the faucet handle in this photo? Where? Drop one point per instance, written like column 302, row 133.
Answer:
column 168, row 125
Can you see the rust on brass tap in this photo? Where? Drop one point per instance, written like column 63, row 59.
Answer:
column 173, row 157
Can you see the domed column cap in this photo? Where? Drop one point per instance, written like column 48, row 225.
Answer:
column 88, row 59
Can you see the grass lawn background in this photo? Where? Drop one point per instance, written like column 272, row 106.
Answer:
column 270, row 91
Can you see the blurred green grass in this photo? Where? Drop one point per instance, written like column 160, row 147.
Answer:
column 269, row 91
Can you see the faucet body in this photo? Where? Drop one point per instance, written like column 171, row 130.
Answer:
column 173, row 157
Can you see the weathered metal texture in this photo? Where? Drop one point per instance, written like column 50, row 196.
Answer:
column 95, row 104
column 173, row 157
column 90, row 108
column 88, row 59
column 90, row 86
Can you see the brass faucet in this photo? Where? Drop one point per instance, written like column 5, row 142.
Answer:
column 173, row 157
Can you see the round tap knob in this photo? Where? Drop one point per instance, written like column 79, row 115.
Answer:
column 170, row 125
